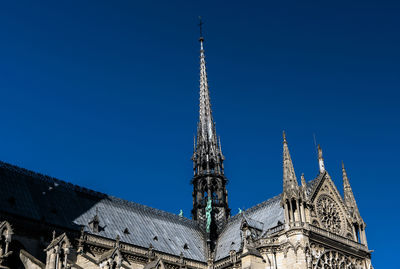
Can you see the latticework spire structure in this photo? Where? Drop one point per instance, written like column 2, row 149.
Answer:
column 210, row 197
column 207, row 157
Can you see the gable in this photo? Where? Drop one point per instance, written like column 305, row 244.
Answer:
column 329, row 211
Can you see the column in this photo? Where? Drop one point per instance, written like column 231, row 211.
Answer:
column 298, row 210
column 52, row 261
column 363, row 235
column 286, row 210
column 302, row 212
column 291, row 211
column 354, row 233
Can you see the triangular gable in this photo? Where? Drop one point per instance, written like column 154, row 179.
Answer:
column 59, row 239
column 315, row 186
column 251, row 223
column 326, row 187
column 324, row 182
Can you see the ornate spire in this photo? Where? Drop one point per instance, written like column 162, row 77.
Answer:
column 206, row 122
column 210, row 197
column 289, row 176
column 208, row 152
column 349, row 199
column 320, row 160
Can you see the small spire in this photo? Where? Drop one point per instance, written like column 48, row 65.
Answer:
column 303, row 180
column 320, row 160
column 289, row 176
column 344, row 171
column 349, row 199
column 54, row 234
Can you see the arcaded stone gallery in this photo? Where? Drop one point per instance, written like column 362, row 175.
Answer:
column 46, row 223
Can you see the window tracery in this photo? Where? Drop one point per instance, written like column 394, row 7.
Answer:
column 334, row 260
column 329, row 214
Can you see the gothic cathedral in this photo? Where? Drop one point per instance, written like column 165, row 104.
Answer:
column 46, row 223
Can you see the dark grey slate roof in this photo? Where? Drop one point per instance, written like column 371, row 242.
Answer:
column 42, row 198
column 253, row 223
column 27, row 194
column 268, row 213
column 263, row 216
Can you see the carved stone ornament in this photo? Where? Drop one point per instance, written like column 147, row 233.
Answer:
column 334, row 260
column 329, row 214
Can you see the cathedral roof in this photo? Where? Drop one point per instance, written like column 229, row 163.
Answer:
column 27, row 194
column 269, row 213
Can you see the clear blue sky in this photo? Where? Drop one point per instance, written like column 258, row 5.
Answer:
column 104, row 94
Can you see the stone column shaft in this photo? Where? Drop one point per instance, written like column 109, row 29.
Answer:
column 302, row 212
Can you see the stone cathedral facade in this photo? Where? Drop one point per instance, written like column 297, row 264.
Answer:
column 46, row 223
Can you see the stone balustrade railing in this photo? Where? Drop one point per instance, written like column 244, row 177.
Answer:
column 336, row 237
column 275, row 229
column 316, row 230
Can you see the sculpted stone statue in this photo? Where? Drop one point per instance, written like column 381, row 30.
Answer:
column 208, row 214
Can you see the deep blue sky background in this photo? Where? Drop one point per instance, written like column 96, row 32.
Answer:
column 104, row 94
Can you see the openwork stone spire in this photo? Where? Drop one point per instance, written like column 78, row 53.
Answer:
column 289, row 176
column 208, row 154
column 206, row 122
column 210, row 197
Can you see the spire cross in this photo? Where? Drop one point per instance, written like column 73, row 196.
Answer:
column 201, row 27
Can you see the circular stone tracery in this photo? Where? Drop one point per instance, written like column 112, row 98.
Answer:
column 329, row 214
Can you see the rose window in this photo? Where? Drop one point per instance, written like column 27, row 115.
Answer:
column 329, row 214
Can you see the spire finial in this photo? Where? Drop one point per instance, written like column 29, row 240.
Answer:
column 201, row 28
column 346, row 183
column 284, row 136
column 117, row 240
column 303, row 180
column 320, row 160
